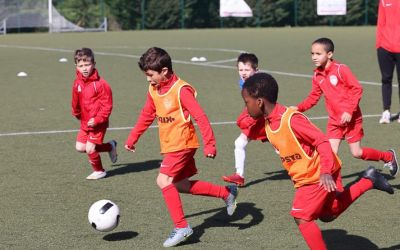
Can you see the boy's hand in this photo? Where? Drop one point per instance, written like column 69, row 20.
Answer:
column 327, row 182
column 130, row 148
column 91, row 123
column 210, row 151
column 346, row 117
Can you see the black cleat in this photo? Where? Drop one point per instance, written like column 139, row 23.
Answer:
column 378, row 180
column 392, row 165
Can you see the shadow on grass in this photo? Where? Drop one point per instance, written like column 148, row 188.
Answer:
column 126, row 168
column 337, row 239
column 221, row 219
column 125, row 235
column 275, row 175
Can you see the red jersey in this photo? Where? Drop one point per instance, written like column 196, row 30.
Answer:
column 341, row 89
column 309, row 137
column 190, row 106
column 91, row 98
column 388, row 25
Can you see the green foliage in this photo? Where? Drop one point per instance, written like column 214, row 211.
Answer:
column 175, row 14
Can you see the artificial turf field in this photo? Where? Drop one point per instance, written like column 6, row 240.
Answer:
column 45, row 196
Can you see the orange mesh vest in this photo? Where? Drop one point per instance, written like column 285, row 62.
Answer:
column 302, row 169
column 176, row 132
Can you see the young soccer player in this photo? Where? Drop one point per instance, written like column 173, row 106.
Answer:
column 247, row 64
column 342, row 93
column 92, row 105
column 171, row 101
column 306, row 154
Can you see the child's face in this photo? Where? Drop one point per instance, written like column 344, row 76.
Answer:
column 319, row 55
column 254, row 105
column 245, row 70
column 85, row 67
column 155, row 78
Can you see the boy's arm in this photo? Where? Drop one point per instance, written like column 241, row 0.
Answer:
column 75, row 106
column 106, row 104
column 145, row 119
column 308, row 134
column 354, row 87
column 312, row 98
column 244, row 120
column 379, row 24
column 190, row 103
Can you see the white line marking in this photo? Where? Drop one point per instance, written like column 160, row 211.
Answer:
column 128, row 128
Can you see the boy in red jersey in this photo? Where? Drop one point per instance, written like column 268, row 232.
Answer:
column 92, row 105
column 247, row 64
column 307, row 156
column 388, row 51
column 172, row 102
column 342, row 93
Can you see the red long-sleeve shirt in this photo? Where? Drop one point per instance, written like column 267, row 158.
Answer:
column 190, row 106
column 91, row 98
column 388, row 25
column 309, row 136
column 341, row 89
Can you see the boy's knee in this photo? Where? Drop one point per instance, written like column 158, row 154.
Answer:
column 240, row 143
column 357, row 154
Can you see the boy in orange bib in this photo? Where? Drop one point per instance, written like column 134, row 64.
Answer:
column 307, row 156
column 171, row 101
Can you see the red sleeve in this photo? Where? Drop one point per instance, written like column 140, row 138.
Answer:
column 145, row 119
column 244, row 121
column 353, row 86
column 190, row 103
column 75, row 105
column 380, row 23
column 312, row 98
column 105, row 103
column 311, row 138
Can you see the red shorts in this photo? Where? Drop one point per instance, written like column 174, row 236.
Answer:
column 311, row 201
column 179, row 165
column 95, row 137
column 352, row 132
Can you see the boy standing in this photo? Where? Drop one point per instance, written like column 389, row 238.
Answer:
column 247, row 64
column 92, row 105
column 342, row 93
column 307, row 156
column 172, row 102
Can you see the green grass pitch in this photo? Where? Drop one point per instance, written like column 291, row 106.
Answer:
column 45, row 197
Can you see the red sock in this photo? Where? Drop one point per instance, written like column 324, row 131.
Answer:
column 349, row 195
column 371, row 154
column 95, row 161
column 312, row 235
column 208, row 189
column 174, row 205
column 105, row 147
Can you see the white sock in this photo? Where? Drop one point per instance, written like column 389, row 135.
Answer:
column 240, row 153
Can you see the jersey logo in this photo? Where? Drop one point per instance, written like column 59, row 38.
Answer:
column 79, row 88
column 291, row 158
column 333, row 79
column 168, row 119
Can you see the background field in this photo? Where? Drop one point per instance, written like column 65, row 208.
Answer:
column 44, row 194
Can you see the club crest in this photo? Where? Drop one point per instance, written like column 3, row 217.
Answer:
column 333, row 79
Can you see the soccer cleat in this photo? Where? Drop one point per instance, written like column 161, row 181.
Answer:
column 235, row 178
column 113, row 153
column 385, row 119
column 96, row 175
column 392, row 165
column 378, row 180
column 231, row 200
column 177, row 236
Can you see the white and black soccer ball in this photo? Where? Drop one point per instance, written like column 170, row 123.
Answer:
column 104, row 215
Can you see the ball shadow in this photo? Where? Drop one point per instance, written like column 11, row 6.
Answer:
column 118, row 236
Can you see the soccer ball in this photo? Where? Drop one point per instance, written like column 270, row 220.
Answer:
column 104, row 215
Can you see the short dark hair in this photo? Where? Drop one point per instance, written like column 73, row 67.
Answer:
column 248, row 58
column 155, row 59
column 327, row 43
column 262, row 85
column 84, row 54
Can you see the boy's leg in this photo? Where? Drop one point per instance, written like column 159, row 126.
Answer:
column 335, row 143
column 240, row 156
column 95, row 138
column 111, row 148
column 311, row 234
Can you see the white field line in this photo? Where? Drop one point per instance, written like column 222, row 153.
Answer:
column 129, row 128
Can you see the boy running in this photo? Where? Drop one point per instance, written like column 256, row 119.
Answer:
column 92, row 105
column 171, row 101
column 307, row 156
column 247, row 64
column 342, row 93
